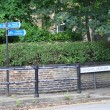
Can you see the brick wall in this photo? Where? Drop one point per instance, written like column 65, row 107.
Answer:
column 51, row 80
column 102, row 79
column 58, row 75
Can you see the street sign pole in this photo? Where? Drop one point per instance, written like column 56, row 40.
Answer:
column 7, row 59
column 10, row 32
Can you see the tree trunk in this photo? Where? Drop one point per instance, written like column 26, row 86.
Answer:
column 87, row 27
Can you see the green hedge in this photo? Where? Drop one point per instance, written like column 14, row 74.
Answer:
column 54, row 53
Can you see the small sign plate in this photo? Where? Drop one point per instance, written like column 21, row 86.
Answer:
column 16, row 32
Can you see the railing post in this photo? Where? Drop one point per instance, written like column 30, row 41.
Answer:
column 36, row 82
column 79, row 79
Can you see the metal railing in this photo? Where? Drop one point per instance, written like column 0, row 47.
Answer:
column 36, row 79
column 93, row 70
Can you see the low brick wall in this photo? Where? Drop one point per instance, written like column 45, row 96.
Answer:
column 51, row 80
column 58, row 75
column 102, row 79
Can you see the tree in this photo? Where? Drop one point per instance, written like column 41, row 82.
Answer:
column 78, row 14
column 43, row 9
column 14, row 10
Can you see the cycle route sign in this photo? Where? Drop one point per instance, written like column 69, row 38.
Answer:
column 12, row 29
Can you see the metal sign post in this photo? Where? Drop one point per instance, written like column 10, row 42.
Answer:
column 7, row 59
column 36, row 82
column 9, row 32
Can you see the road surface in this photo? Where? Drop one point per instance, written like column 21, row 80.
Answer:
column 102, row 105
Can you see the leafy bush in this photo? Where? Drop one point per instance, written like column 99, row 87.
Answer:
column 35, row 33
column 54, row 53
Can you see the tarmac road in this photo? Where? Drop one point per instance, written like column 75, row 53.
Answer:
column 102, row 105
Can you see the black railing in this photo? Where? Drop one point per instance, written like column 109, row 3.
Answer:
column 36, row 80
column 22, row 82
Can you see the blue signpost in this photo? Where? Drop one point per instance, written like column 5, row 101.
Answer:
column 16, row 32
column 10, row 25
column 14, row 25
column 10, row 31
column 3, row 25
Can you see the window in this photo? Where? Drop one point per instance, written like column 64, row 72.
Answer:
column 60, row 28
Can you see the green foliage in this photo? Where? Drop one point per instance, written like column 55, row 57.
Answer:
column 55, row 53
column 13, row 10
column 78, row 14
column 18, row 103
column 35, row 33
column 68, row 35
column 81, row 14
column 103, row 29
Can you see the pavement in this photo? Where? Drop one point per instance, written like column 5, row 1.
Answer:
column 52, row 99
column 101, row 105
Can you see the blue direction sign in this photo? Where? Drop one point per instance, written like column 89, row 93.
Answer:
column 3, row 25
column 11, row 25
column 14, row 25
column 16, row 33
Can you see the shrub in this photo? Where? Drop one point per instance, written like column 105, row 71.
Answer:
column 35, row 33
column 54, row 53
column 68, row 35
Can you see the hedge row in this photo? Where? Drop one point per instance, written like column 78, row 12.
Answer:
column 54, row 53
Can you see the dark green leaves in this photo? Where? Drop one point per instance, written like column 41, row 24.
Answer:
column 55, row 53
